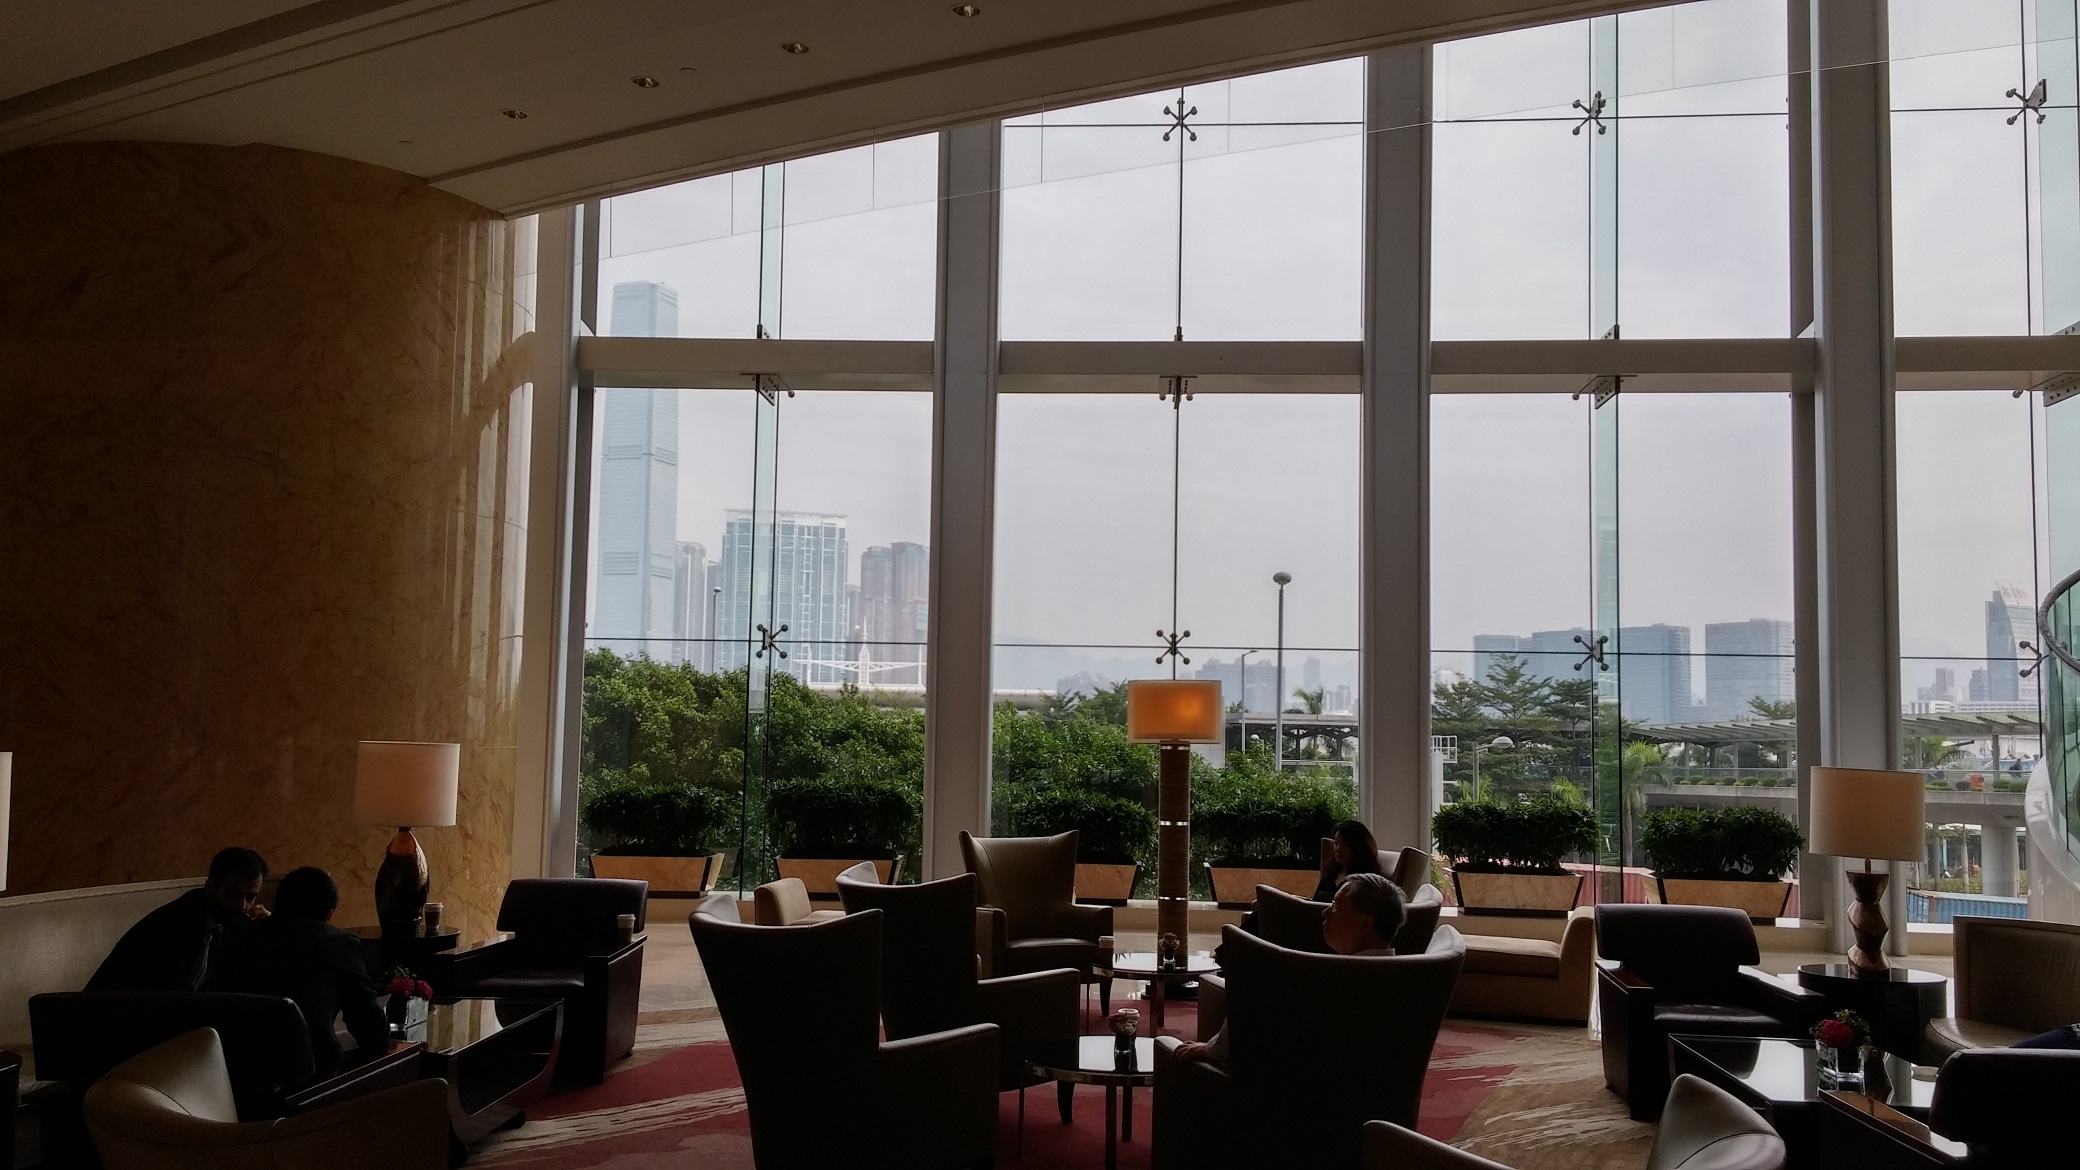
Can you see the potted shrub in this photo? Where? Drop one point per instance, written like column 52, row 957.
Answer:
column 660, row 833
column 825, row 825
column 1722, row 857
column 1506, row 854
column 1113, row 834
column 1255, row 828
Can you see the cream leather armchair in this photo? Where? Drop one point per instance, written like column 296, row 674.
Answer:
column 2014, row 979
column 170, row 1108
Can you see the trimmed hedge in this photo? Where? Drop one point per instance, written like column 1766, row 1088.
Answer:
column 1722, row 844
column 1243, row 819
column 1110, row 830
column 1534, row 835
column 845, row 817
column 656, row 820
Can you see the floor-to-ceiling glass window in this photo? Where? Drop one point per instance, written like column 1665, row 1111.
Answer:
column 1144, row 523
column 754, row 677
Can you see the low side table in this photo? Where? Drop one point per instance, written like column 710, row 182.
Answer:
column 1142, row 965
column 497, row 1056
column 1092, row 1060
column 381, row 953
column 1898, row 1003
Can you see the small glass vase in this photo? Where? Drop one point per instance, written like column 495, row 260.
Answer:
column 402, row 1012
column 1840, row 1068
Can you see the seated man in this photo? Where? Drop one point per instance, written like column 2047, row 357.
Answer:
column 1362, row 919
column 170, row 948
column 299, row 954
column 2065, row 1037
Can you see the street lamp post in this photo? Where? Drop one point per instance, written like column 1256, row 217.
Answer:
column 1242, row 694
column 714, row 598
column 1497, row 744
column 1281, row 579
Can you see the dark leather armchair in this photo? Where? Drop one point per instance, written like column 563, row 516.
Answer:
column 1031, row 884
column 1295, row 923
column 1317, row 1046
column 800, row 1004
column 565, row 946
column 2004, row 1106
column 928, row 974
column 1682, row 969
column 79, row 1036
column 1703, row 1127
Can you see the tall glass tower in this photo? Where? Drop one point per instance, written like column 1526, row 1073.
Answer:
column 633, row 608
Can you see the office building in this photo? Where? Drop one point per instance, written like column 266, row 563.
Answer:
column 1745, row 661
column 808, row 595
column 893, row 612
column 635, row 593
column 2011, row 619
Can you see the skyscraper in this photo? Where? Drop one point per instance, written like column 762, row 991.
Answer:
column 689, row 602
column 1654, row 673
column 1745, row 661
column 894, row 585
column 2010, row 620
column 1488, row 647
column 637, row 541
column 810, row 567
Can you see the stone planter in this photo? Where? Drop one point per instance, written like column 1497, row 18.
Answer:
column 1102, row 884
column 1762, row 901
column 669, row 877
column 1236, row 889
column 820, row 874
column 1534, row 895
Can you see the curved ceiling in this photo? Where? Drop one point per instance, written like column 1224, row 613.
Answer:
column 422, row 86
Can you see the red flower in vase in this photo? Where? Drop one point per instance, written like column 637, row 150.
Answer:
column 1836, row 1034
column 409, row 987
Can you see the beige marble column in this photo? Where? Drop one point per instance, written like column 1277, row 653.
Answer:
column 262, row 494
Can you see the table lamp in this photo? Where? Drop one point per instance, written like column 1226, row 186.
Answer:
column 407, row 785
column 1174, row 714
column 1867, row 813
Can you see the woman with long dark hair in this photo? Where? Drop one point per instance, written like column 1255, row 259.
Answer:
column 1351, row 850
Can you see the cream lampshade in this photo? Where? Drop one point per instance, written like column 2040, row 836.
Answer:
column 406, row 785
column 1867, row 813
column 1174, row 713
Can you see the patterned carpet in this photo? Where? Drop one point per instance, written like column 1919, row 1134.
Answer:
column 1531, row 1097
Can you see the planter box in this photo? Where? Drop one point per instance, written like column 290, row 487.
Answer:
column 821, row 874
column 1534, row 895
column 1099, row 884
column 669, row 877
column 1763, row 901
column 1236, row 889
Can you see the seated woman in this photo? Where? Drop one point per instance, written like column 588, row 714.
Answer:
column 1351, row 850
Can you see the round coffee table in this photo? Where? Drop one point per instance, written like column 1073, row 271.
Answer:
column 1897, row 1002
column 1142, row 965
column 1092, row 1060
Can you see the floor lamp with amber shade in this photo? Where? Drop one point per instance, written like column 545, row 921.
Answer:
column 1174, row 714
column 1867, row 813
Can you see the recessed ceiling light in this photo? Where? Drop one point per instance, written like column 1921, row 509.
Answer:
column 966, row 10
column 404, row 142
column 688, row 69
column 643, row 81
column 795, row 47
column 515, row 115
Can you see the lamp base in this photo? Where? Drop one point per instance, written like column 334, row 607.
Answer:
column 1173, row 841
column 401, row 883
column 1867, row 921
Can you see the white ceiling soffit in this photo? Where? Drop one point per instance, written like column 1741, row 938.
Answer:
column 419, row 85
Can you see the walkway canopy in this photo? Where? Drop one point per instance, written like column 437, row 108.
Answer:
column 1948, row 724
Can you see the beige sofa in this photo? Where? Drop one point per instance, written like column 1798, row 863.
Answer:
column 1530, row 978
column 2014, row 979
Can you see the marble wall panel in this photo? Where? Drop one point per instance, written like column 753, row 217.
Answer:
column 262, row 472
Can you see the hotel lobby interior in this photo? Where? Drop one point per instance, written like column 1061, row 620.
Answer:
column 1148, row 583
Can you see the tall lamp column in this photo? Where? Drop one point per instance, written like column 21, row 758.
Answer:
column 408, row 785
column 1868, row 813
column 1174, row 714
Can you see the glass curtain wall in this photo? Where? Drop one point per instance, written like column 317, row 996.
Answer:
column 1141, row 522
column 1574, row 166
column 755, row 642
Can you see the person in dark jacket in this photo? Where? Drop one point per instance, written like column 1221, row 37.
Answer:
column 297, row 953
column 170, row 948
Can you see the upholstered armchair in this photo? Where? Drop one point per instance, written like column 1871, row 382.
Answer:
column 1509, row 978
column 801, row 1006
column 1703, row 1127
column 1295, row 923
column 786, row 902
column 1317, row 1046
column 1682, row 969
column 928, row 974
column 2014, row 979
column 172, row 1108
column 2006, row 1106
column 1030, row 884
column 565, row 945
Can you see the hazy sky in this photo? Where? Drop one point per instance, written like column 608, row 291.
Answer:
column 1269, row 214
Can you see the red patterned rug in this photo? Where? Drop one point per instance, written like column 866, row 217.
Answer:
column 679, row 1098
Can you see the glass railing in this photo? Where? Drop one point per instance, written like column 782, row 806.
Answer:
column 2058, row 622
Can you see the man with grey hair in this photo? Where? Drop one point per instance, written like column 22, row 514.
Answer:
column 1362, row 919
